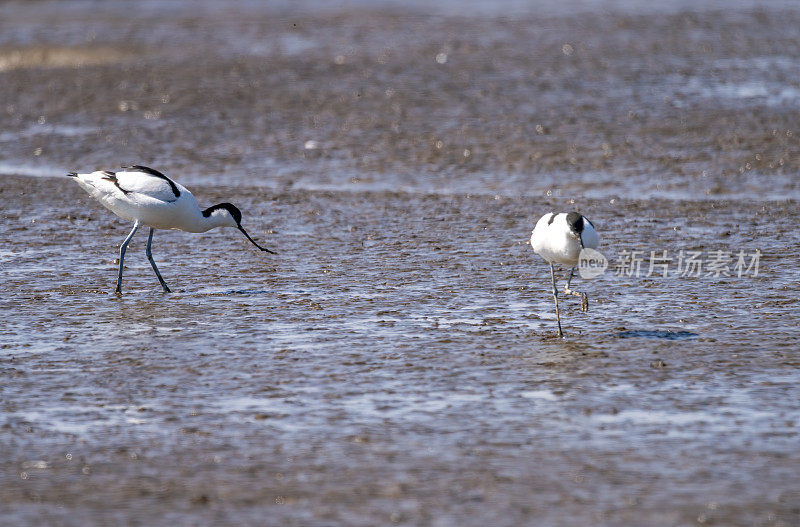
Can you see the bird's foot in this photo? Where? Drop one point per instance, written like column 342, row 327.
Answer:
column 583, row 296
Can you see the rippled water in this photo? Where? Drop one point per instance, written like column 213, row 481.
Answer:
column 396, row 362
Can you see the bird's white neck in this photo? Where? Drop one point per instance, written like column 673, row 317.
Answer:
column 216, row 218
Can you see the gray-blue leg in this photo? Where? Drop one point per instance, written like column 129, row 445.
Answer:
column 153, row 262
column 583, row 296
column 555, row 299
column 122, row 249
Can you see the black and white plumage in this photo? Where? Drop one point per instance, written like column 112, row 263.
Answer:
column 147, row 197
column 559, row 239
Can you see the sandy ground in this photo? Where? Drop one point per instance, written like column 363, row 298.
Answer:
column 396, row 362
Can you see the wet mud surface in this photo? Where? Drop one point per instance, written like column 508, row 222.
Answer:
column 396, row 362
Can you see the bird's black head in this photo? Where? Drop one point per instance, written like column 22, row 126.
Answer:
column 235, row 213
column 575, row 222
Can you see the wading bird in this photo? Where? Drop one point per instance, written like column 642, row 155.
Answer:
column 559, row 239
column 148, row 197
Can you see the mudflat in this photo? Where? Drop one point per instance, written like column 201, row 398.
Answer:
column 396, row 362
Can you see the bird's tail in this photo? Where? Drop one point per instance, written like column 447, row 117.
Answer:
column 72, row 174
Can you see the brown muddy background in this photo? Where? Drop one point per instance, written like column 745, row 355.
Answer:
column 395, row 363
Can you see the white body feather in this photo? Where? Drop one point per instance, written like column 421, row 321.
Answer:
column 554, row 240
column 138, row 195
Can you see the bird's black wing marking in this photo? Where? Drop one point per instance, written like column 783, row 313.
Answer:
column 156, row 173
column 552, row 217
column 112, row 177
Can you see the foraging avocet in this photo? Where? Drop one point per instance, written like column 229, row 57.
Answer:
column 559, row 239
column 148, row 197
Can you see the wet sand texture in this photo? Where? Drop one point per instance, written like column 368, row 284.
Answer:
column 395, row 363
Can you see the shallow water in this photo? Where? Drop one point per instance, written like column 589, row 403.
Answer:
column 396, row 361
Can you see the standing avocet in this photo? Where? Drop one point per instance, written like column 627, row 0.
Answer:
column 559, row 239
column 148, row 197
